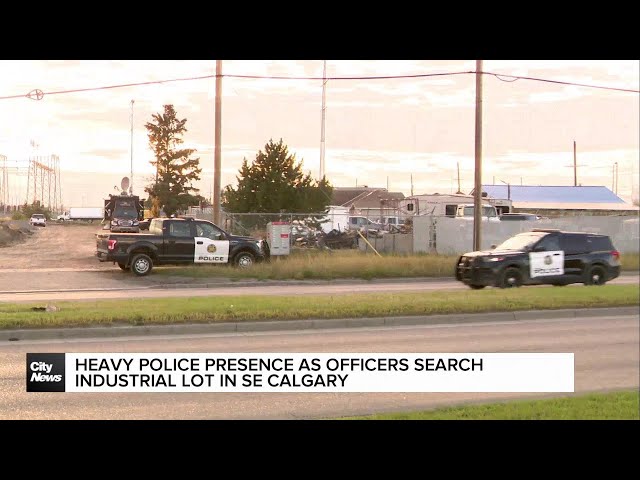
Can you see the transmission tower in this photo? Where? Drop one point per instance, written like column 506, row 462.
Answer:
column 43, row 182
column 4, row 184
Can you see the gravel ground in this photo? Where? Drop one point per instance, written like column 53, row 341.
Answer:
column 54, row 246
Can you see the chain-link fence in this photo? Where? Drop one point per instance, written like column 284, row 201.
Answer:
column 423, row 233
column 256, row 223
column 445, row 235
column 451, row 236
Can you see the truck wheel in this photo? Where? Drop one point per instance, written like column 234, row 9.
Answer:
column 123, row 266
column 244, row 260
column 511, row 278
column 141, row 264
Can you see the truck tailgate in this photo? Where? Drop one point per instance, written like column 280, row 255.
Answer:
column 102, row 242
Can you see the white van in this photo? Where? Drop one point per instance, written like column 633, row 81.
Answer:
column 466, row 212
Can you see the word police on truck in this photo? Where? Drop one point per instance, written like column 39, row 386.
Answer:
column 173, row 241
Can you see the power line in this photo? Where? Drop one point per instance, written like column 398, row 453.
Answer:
column 517, row 77
column 37, row 94
column 376, row 77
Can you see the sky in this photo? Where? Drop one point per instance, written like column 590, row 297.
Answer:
column 403, row 134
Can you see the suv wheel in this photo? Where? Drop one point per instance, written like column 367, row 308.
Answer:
column 596, row 275
column 511, row 278
column 476, row 287
column 141, row 264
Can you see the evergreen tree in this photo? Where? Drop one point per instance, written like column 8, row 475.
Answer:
column 175, row 170
column 275, row 182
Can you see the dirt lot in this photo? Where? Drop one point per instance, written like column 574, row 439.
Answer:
column 54, row 246
column 61, row 257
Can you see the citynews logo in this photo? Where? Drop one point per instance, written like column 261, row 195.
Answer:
column 45, row 372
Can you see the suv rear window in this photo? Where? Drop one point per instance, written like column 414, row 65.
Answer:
column 599, row 243
column 517, row 217
column 574, row 243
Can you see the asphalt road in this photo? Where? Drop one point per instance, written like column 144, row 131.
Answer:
column 606, row 357
column 95, row 287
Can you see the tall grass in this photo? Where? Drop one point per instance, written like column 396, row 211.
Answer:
column 630, row 261
column 336, row 264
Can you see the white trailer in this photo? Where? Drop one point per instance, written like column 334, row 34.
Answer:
column 446, row 205
column 337, row 219
column 82, row 213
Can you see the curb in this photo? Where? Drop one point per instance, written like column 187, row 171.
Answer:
column 226, row 283
column 309, row 324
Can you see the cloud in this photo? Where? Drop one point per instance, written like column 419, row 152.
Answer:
column 406, row 125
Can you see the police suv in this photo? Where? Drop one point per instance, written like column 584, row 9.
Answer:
column 542, row 256
column 172, row 241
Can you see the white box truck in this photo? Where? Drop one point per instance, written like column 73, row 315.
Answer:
column 89, row 214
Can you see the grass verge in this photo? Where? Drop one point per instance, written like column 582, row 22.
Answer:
column 323, row 265
column 257, row 308
column 595, row 406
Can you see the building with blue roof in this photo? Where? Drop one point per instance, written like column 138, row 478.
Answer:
column 552, row 200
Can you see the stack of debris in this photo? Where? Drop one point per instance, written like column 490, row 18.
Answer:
column 13, row 232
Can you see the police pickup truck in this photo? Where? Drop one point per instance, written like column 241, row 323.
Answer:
column 542, row 256
column 172, row 241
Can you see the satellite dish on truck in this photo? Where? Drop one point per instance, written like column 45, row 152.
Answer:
column 124, row 184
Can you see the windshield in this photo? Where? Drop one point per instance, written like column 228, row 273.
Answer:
column 486, row 212
column 125, row 211
column 519, row 242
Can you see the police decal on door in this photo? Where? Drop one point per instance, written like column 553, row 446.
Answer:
column 544, row 264
column 211, row 251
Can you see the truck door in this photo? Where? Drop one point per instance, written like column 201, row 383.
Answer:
column 211, row 244
column 178, row 241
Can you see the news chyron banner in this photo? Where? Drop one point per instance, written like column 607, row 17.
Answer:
column 300, row 372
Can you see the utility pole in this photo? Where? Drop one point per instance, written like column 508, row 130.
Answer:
column 616, row 167
column 459, row 191
column 412, row 184
column 575, row 166
column 218, row 145
column 324, row 108
column 477, row 197
column 131, row 178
